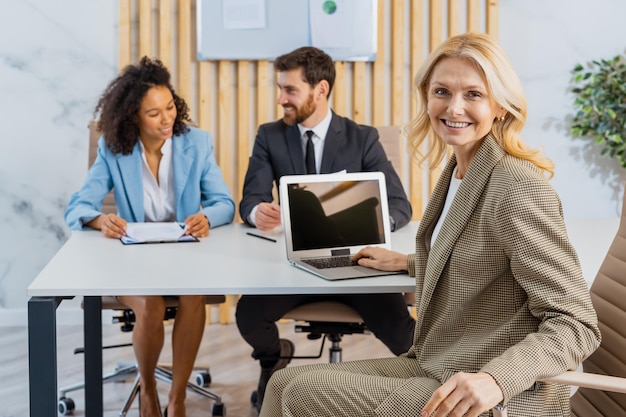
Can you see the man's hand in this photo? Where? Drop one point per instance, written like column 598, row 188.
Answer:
column 465, row 394
column 267, row 216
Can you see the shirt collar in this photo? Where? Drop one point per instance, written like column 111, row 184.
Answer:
column 321, row 128
column 166, row 149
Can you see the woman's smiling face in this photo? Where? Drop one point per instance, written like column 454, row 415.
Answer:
column 460, row 107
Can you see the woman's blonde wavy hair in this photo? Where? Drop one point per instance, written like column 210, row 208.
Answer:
column 504, row 86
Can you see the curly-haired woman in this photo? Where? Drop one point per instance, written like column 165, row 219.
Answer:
column 160, row 170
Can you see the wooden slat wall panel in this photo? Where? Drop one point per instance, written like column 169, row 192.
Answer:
column 243, row 125
column 224, row 122
column 165, row 32
column 416, row 41
column 205, row 104
column 492, row 17
column 338, row 95
column 185, row 55
column 263, row 86
column 454, row 17
column 436, row 37
column 398, row 83
column 473, row 15
column 230, row 99
column 145, row 28
column 124, row 33
column 359, row 98
column 378, row 71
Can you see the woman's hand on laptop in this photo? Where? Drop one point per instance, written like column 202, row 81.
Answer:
column 267, row 216
column 381, row 259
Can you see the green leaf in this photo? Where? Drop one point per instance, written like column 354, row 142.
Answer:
column 599, row 90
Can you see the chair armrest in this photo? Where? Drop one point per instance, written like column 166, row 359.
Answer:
column 583, row 380
column 588, row 380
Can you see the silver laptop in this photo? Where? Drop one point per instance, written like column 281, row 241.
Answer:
column 329, row 217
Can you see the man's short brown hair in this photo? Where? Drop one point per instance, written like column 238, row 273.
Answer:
column 316, row 65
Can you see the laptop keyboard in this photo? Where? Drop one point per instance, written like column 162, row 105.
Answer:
column 331, row 262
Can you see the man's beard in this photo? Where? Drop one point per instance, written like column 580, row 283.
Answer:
column 302, row 113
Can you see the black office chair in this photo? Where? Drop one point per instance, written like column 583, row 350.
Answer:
column 127, row 370
column 331, row 320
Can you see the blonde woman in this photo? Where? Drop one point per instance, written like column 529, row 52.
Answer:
column 500, row 294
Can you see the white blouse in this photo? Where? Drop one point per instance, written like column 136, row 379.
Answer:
column 455, row 183
column 158, row 197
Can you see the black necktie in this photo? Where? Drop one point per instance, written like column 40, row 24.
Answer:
column 310, row 154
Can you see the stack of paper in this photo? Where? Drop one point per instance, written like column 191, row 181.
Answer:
column 156, row 232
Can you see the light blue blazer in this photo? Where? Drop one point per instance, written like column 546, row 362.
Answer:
column 198, row 183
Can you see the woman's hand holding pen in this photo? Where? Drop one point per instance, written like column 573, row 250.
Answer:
column 110, row 225
column 197, row 225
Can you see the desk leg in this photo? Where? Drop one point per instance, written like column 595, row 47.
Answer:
column 92, row 310
column 42, row 356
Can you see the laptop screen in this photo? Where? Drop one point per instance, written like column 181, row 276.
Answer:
column 330, row 211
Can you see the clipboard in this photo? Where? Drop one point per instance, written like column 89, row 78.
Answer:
column 156, row 232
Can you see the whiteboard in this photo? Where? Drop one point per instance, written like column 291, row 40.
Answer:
column 347, row 33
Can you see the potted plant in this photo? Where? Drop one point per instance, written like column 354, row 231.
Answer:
column 600, row 104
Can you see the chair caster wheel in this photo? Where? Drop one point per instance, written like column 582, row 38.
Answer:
column 218, row 410
column 66, row 406
column 203, row 379
column 254, row 398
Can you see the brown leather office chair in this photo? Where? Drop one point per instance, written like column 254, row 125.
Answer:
column 608, row 294
column 602, row 383
column 127, row 370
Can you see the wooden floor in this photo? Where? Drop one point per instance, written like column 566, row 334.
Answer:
column 234, row 373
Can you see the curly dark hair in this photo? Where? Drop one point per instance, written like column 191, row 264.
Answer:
column 316, row 65
column 120, row 102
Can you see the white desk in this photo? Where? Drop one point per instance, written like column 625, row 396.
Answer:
column 227, row 262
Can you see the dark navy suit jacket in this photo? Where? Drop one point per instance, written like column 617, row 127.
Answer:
column 348, row 146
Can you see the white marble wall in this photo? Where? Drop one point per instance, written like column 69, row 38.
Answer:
column 57, row 56
column 545, row 40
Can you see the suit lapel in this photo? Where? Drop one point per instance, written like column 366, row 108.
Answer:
column 294, row 147
column 130, row 172
column 331, row 143
column 182, row 159
column 459, row 214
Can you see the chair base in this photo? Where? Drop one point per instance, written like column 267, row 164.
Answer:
column 126, row 370
column 331, row 331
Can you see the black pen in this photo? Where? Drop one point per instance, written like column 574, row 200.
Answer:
column 261, row 237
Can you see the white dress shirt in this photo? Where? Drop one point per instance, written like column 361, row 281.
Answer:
column 319, row 138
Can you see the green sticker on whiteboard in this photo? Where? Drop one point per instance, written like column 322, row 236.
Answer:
column 329, row 7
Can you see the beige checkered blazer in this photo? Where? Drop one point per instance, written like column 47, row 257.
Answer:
column 500, row 291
